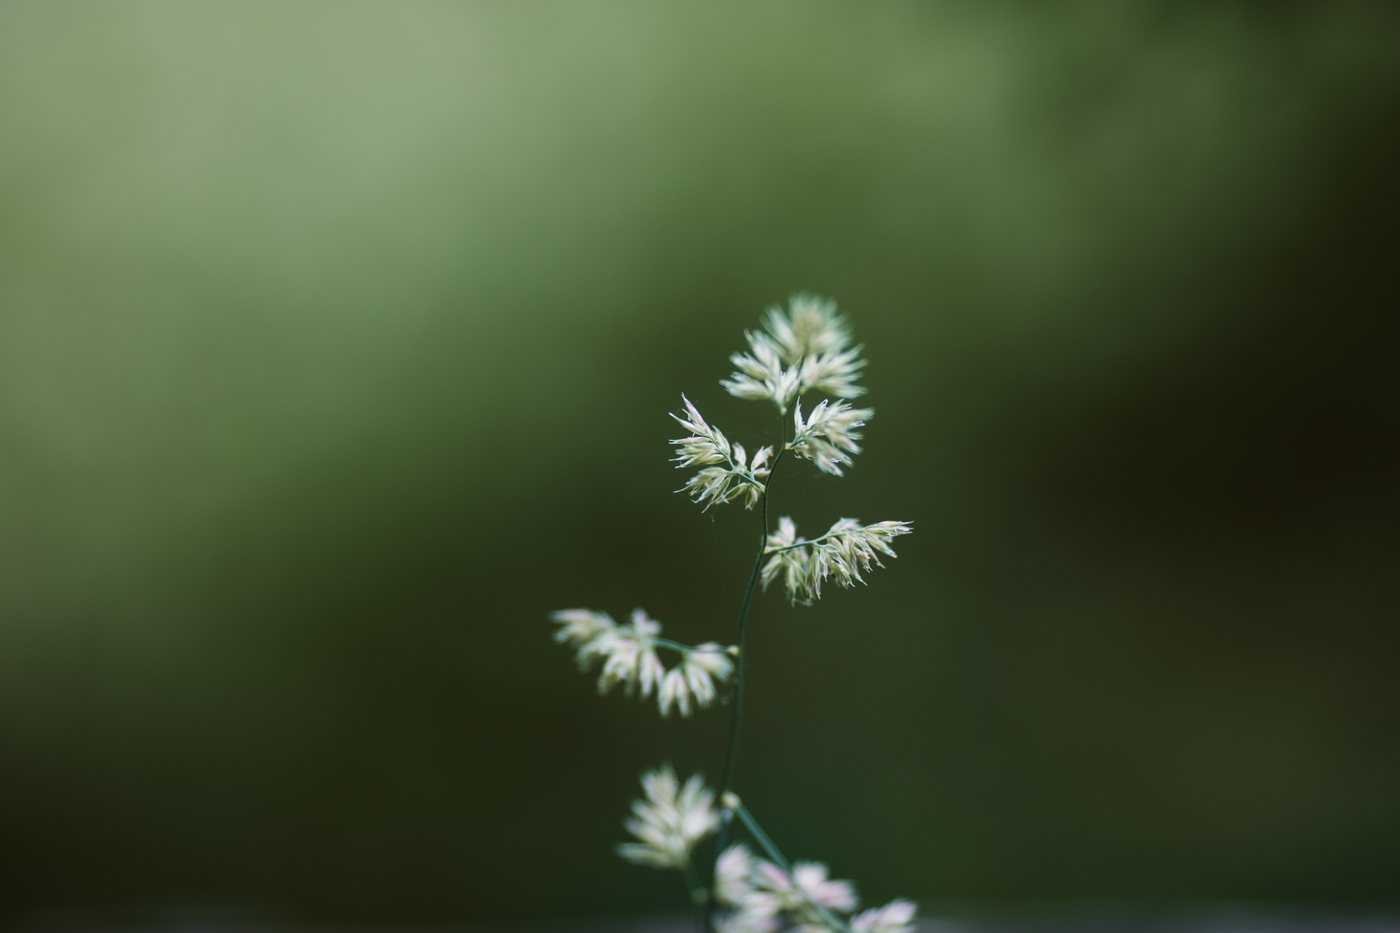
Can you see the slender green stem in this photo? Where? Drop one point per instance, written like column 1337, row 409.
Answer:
column 698, row 896
column 762, row 839
column 737, row 697
column 725, row 816
column 819, row 538
column 673, row 645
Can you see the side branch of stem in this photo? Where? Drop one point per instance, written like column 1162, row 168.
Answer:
column 673, row 645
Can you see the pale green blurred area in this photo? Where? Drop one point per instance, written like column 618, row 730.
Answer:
column 336, row 342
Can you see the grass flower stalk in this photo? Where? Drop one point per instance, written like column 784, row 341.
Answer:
column 803, row 349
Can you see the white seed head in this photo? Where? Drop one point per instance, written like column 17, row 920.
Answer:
column 803, row 349
column 727, row 472
column 674, row 692
column 670, row 821
column 628, row 656
column 828, row 436
column 732, row 871
column 895, row 917
column 787, row 560
column 811, row 327
column 650, row 670
column 762, row 897
column 833, row 373
column 628, row 652
column 761, row 374
column 705, row 445
column 712, row 659
column 693, row 680
column 808, row 884
column 846, row 550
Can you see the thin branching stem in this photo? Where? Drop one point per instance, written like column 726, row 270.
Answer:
column 792, row 547
column 673, row 645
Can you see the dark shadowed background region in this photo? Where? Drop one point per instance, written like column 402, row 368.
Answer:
column 336, row 346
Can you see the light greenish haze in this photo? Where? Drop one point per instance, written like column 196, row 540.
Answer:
column 336, row 347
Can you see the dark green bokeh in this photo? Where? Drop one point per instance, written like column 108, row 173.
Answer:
column 337, row 342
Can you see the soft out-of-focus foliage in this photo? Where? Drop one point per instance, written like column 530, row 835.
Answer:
column 337, row 343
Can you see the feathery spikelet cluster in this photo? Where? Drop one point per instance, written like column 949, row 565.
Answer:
column 828, row 435
column 846, row 549
column 628, row 653
column 670, row 821
column 762, row 898
column 806, row 349
column 707, row 446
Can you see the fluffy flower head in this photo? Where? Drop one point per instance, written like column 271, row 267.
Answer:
column 803, row 349
column 732, row 871
column 807, row 885
column 629, row 657
column 727, row 472
column 786, row 558
column 670, row 821
column 810, row 328
column 628, row 652
column 828, row 436
column 693, row 680
column 846, row 551
column 759, row 894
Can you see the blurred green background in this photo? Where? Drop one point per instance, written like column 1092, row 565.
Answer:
column 336, row 347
